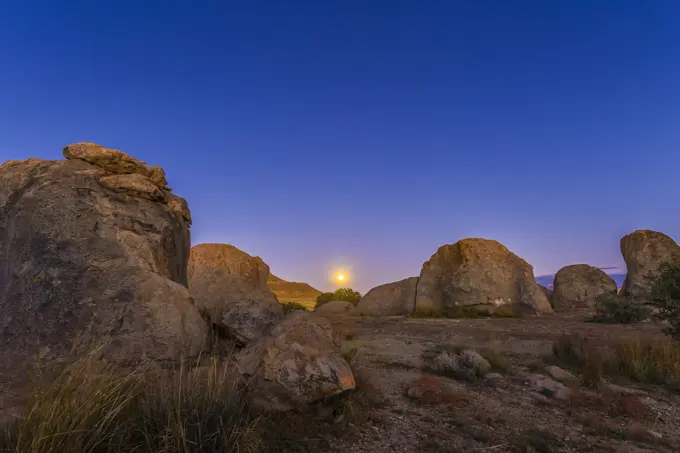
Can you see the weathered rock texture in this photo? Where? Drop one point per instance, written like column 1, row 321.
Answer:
column 478, row 273
column 114, row 161
column 301, row 293
column 84, row 263
column 336, row 308
column 230, row 288
column 297, row 363
column 579, row 286
column 391, row 299
column 644, row 251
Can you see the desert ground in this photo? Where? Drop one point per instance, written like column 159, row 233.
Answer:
column 408, row 407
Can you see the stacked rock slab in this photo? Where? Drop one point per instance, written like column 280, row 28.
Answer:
column 296, row 363
column 230, row 288
column 391, row 299
column 644, row 251
column 92, row 253
column 579, row 286
column 478, row 274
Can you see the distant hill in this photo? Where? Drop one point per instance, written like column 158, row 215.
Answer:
column 285, row 291
column 547, row 280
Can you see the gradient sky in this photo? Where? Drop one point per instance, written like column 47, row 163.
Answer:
column 363, row 133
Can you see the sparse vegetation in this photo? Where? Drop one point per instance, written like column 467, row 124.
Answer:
column 653, row 361
column 615, row 309
column 292, row 306
column 665, row 297
column 467, row 312
column 466, row 364
column 345, row 294
column 93, row 408
column 428, row 389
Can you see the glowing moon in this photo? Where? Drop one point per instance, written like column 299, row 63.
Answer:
column 341, row 277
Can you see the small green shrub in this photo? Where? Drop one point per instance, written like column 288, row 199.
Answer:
column 665, row 296
column 613, row 309
column 292, row 306
column 346, row 294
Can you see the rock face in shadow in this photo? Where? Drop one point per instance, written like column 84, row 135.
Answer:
column 548, row 293
column 230, row 288
column 84, row 263
column 579, row 286
column 480, row 274
column 391, row 299
column 298, row 362
column 644, row 251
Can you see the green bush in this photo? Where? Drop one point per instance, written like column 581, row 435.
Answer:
column 346, row 294
column 292, row 306
column 665, row 296
column 614, row 309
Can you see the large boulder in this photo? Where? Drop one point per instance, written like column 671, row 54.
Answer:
column 296, row 364
column 336, row 308
column 391, row 299
column 84, row 263
column 478, row 274
column 644, row 251
column 230, row 288
column 579, row 286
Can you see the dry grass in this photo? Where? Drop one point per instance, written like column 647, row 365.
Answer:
column 95, row 408
column 428, row 389
column 650, row 361
column 612, row 404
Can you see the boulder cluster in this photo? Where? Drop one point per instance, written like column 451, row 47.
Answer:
column 483, row 275
column 96, row 253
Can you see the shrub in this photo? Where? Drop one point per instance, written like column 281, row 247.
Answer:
column 665, row 296
column 467, row 364
column 577, row 352
column 613, row 309
column 346, row 294
column 292, row 306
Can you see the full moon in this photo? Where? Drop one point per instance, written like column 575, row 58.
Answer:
column 341, row 277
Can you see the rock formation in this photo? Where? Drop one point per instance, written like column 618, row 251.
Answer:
column 478, row 273
column 92, row 253
column 391, row 299
column 336, row 308
column 644, row 251
column 297, row 363
column 230, row 288
column 579, row 286
column 301, row 293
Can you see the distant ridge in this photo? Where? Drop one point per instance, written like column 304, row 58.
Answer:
column 299, row 292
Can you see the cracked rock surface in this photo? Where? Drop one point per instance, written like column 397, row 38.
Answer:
column 90, row 252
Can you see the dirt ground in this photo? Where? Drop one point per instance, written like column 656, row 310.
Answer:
column 503, row 414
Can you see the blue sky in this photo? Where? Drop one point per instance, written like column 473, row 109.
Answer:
column 366, row 134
